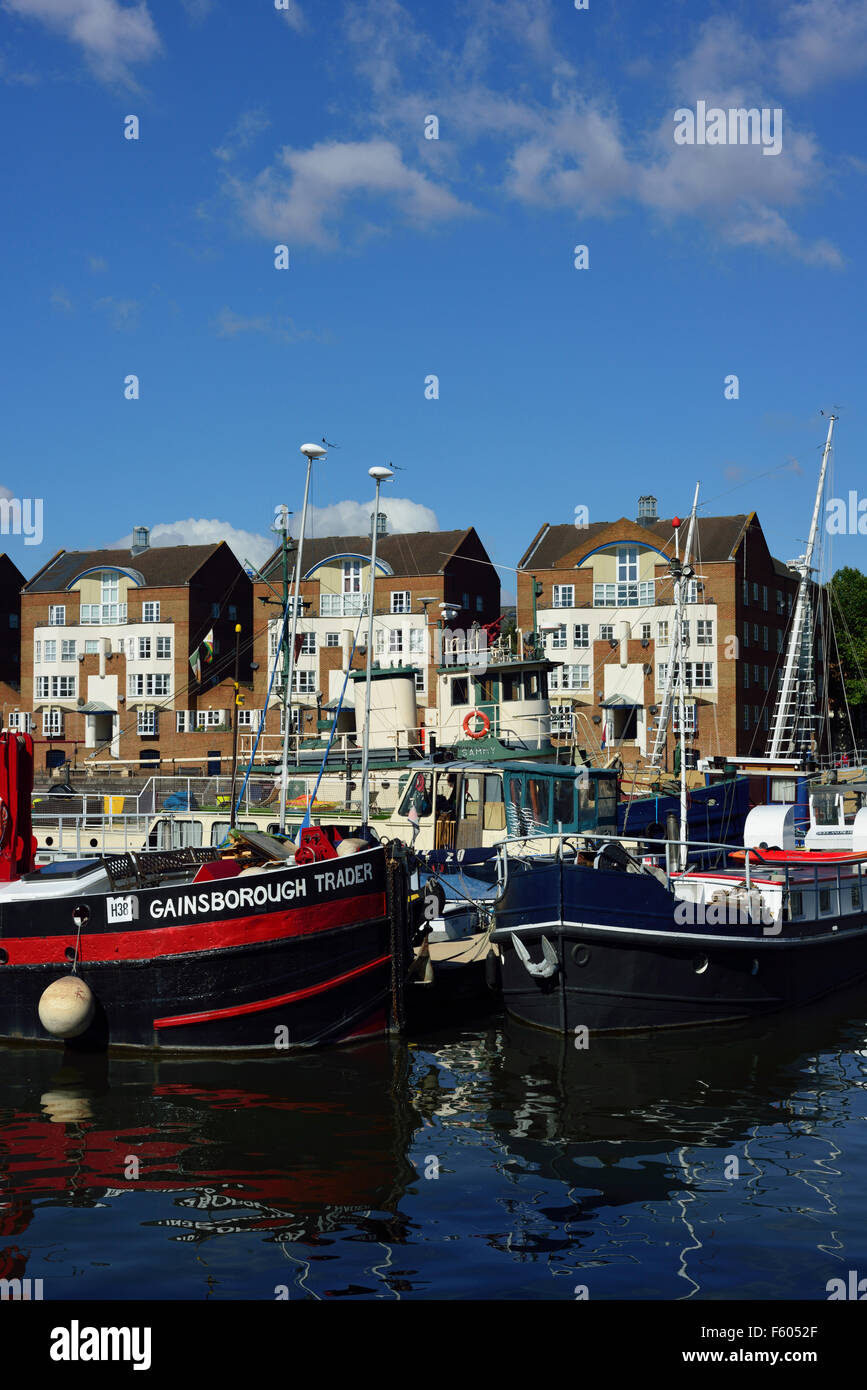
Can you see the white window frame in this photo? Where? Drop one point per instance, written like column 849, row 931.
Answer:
column 150, row 611
column 401, row 601
column 564, row 596
column 57, row 615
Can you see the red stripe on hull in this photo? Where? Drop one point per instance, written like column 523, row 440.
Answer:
column 260, row 1005
column 151, row 943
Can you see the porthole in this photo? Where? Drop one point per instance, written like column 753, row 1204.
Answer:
column 580, row 955
column 69, row 953
column 754, row 968
column 49, row 840
column 700, row 964
column 93, row 844
column 4, row 956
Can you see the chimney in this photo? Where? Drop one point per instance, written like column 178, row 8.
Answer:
column 141, row 539
column 647, row 510
column 381, row 523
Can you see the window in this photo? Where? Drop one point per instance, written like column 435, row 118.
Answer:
column 701, row 674
column 746, row 594
column 764, row 677
column 52, row 723
column 13, row 620
column 747, row 677
column 480, row 604
column 416, row 640
column 661, row 675
column 400, row 601
column 755, row 592
column 746, row 634
column 144, row 649
column 604, row 595
column 779, row 639
column 57, row 614
column 233, row 612
column 564, row 595
column 824, row 900
column 346, row 605
column 624, row 595
column 688, row 719
column 146, row 723
column 765, row 638
column 159, row 684
column 756, row 676
column 150, row 612
column 308, row 644
column 570, row 678
column 561, row 722
column 20, row 722
column 746, row 716
column 42, row 687
column 332, row 639
column 647, row 593
column 684, row 632
column 756, row 715
column 779, row 601
column 558, row 636
column 627, row 563
column 764, row 718
column 395, row 640
column 420, row 679
column 645, row 632
column 379, row 641
column 164, row 649
column 756, row 633
column 55, row 687
column 183, row 721
column 704, row 632
column 91, row 648
column 606, row 632
column 304, row 682
column 581, row 635
column 51, row 651
column 37, row 652
column 67, row 650
column 691, row 591
column 211, row 718
column 662, row 634
column 215, row 611
column 765, row 597
column 789, row 604
column 248, row 718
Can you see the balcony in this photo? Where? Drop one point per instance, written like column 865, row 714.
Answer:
column 342, row 605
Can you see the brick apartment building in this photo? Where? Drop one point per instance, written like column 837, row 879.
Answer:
column 106, row 639
column 606, row 611
column 416, row 573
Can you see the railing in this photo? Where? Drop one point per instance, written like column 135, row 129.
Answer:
column 82, row 836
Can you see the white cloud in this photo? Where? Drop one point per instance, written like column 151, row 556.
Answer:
column 295, row 198
column 122, row 313
column 247, row 545
column 60, row 300
column 248, row 125
column 112, row 36
column 229, row 324
column 824, row 40
column 353, row 518
column 293, row 15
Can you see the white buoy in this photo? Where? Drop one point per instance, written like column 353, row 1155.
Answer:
column 352, row 846
column 67, row 1007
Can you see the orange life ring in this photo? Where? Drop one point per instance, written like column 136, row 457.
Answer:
column 486, row 724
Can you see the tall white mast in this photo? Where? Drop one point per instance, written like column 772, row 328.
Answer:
column 684, row 573
column 790, row 709
column 310, row 452
column 380, row 475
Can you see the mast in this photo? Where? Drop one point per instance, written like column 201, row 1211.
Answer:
column 310, row 452
column 380, row 475
column 684, row 573
column 794, row 712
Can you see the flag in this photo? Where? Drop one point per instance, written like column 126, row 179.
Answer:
column 299, row 643
column 208, row 646
column 412, row 817
column 196, row 664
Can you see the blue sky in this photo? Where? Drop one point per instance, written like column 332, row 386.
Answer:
column 410, row 257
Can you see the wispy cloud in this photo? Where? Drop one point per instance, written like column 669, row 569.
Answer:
column 97, row 264
column 229, row 325
column 247, row 545
column 122, row 313
column 293, row 15
column 301, row 195
column 112, row 37
column 60, row 300
column 248, row 125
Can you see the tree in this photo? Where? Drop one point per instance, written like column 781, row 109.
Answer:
column 847, row 646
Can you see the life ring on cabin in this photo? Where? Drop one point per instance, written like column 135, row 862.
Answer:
column 477, row 733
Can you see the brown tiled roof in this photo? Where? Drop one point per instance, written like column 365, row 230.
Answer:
column 161, row 566
column 716, row 539
column 413, row 553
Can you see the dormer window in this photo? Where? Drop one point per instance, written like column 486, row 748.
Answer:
column 627, row 564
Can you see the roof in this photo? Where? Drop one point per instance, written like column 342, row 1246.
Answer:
column 716, row 539
column 410, row 553
column 161, row 566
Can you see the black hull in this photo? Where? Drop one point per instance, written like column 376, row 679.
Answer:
column 622, row 965
column 312, row 968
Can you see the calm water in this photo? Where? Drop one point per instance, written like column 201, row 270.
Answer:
column 610, row 1168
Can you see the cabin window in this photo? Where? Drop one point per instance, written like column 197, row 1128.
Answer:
column 532, row 685
column 495, row 810
column 538, row 795
column 221, row 828
column 825, row 810
column 606, row 801
column 460, row 691
column 855, row 895
column 177, row 834
column 512, row 688
column 824, row 900
column 796, row 904
column 485, row 689
column 564, row 801
column 471, row 798
column 418, row 796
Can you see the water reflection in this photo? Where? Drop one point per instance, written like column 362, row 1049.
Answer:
column 495, row 1161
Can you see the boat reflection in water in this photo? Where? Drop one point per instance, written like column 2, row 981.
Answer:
column 607, row 1169
column 284, row 1153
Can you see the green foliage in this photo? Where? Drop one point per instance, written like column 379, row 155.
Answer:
column 848, row 594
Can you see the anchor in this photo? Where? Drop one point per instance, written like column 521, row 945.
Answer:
column 545, row 967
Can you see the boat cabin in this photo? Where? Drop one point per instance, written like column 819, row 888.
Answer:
column 473, row 805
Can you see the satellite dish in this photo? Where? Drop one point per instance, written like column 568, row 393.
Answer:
column 313, row 451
